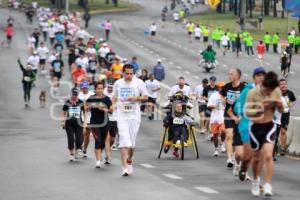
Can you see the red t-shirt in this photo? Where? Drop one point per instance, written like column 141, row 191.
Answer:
column 9, row 31
column 260, row 49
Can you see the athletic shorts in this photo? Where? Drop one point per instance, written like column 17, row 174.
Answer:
column 151, row 100
column 237, row 140
column 128, row 130
column 57, row 75
column 244, row 135
column 201, row 107
column 217, row 128
column 190, row 33
column 207, row 112
column 285, row 120
column 260, row 56
column 197, row 38
column 42, row 61
column 205, row 39
column 112, row 128
column 261, row 134
column 229, row 123
column 8, row 37
column 153, row 33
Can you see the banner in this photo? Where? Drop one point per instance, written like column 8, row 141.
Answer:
column 213, row 3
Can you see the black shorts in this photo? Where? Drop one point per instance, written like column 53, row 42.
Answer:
column 205, row 39
column 207, row 112
column 261, row 134
column 190, row 33
column 202, row 107
column 285, row 120
column 153, row 33
column 151, row 100
column 42, row 61
column 57, row 75
column 8, row 37
column 197, row 38
column 237, row 140
column 112, row 128
column 229, row 123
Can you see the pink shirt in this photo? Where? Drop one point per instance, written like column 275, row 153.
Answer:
column 107, row 26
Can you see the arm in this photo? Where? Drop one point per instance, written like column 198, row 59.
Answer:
column 21, row 65
column 231, row 114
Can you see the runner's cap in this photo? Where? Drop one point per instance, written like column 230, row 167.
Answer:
column 74, row 91
column 259, row 70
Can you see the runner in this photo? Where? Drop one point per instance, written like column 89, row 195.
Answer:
column 153, row 86
column 201, row 104
column 57, row 71
column 71, row 121
column 128, row 93
column 260, row 48
column 152, row 31
column 225, row 42
column 83, row 96
column 261, row 104
column 231, row 92
column 9, row 32
column 43, row 52
column 99, row 105
column 27, row 80
column 289, row 100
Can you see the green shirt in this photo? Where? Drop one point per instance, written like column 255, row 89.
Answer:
column 291, row 39
column 214, row 34
column 205, row 32
column 267, row 39
column 297, row 40
column 233, row 36
column 275, row 39
column 249, row 41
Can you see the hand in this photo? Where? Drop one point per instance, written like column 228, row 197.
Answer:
column 236, row 120
column 63, row 124
column 102, row 107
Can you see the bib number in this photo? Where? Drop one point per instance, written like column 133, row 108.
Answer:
column 127, row 108
column 27, row 78
column 74, row 112
column 178, row 121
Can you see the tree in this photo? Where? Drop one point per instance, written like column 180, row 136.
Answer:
column 275, row 8
column 267, row 7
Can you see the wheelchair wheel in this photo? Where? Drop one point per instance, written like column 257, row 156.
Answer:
column 182, row 147
column 162, row 141
column 194, row 141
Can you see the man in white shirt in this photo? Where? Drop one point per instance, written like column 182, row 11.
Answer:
column 197, row 32
column 176, row 17
column 153, row 86
column 201, row 103
column 82, row 60
column 181, row 86
column 34, row 60
column 152, row 31
column 43, row 52
column 225, row 43
column 128, row 93
column 104, row 49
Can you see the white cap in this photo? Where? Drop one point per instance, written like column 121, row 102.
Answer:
column 34, row 52
column 104, row 44
column 159, row 60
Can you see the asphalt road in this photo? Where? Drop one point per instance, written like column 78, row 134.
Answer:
column 33, row 152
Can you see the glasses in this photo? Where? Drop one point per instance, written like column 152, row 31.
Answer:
column 128, row 73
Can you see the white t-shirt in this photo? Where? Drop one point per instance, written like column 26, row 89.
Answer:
column 34, row 61
column 187, row 91
column 45, row 26
column 199, row 93
column 43, row 52
column 122, row 90
column 83, row 62
column 176, row 16
column 51, row 32
column 31, row 41
column 152, row 85
column 197, row 32
column 51, row 58
column 83, row 97
column 217, row 114
column 103, row 51
column 91, row 51
column 153, row 28
column 224, row 40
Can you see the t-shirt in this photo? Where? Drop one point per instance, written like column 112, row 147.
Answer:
column 231, row 94
column 208, row 91
column 83, row 62
column 122, row 90
column 197, row 32
column 42, row 52
column 217, row 113
column 116, row 70
column 288, row 97
column 153, row 28
column 152, row 85
column 34, row 61
column 99, row 117
column 111, row 116
column 58, row 47
column 199, row 93
column 187, row 91
column 57, row 65
column 225, row 40
column 84, row 97
column 92, row 65
column 74, row 111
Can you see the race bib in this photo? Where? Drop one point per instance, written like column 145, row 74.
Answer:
column 74, row 112
column 93, row 66
column 128, row 107
column 178, row 121
column 57, row 67
column 27, row 78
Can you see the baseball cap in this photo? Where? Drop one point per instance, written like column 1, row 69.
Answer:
column 221, row 84
column 259, row 70
column 75, row 91
column 158, row 60
column 85, row 84
column 213, row 78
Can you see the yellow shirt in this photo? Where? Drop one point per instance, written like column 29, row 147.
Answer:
column 116, row 69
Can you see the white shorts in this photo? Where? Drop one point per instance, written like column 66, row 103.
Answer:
column 128, row 130
column 260, row 56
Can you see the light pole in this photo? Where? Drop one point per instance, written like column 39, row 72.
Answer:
column 67, row 6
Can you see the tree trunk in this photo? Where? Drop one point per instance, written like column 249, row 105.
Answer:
column 107, row 1
column 243, row 5
column 224, row 6
column 235, row 7
column 275, row 8
column 267, row 7
column 250, row 8
column 283, row 6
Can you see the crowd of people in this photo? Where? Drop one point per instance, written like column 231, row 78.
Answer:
column 108, row 94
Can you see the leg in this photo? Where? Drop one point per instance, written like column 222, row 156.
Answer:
column 256, row 165
column 70, row 136
column 267, row 150
column 228, row 142
column 283, row 139
column 86, row 138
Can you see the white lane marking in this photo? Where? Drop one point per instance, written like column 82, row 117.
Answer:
column 157, row 55
column 224, row 65
column 146, row 49
column 187, row 72
column 173, row 176
column 267, row 63
column 174, row 43
column 146, row 165
column 207, row 190
column 256, row 59
column 151, row 52
column 163, row 58
column 171, row 63
column 179, row 45
column 292, row 72
column 185, row 48
column 196, row 77
column 141, row 46
column 178, row 67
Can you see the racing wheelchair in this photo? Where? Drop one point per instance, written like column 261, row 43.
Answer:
column 180, row 126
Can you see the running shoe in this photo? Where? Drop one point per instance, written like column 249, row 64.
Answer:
column 222, row 148
column 129, row 167
column 98, row 164
column 107, row 160
column 255, row 190
column 236, row 170
column 268, row 190
column 242, row 175
column 167, row 148
column 124, row 171
column 114, row 147
column 216, row 153
column 230, row 163
column 72, row 158
column 84, row 154
column 78, row 154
